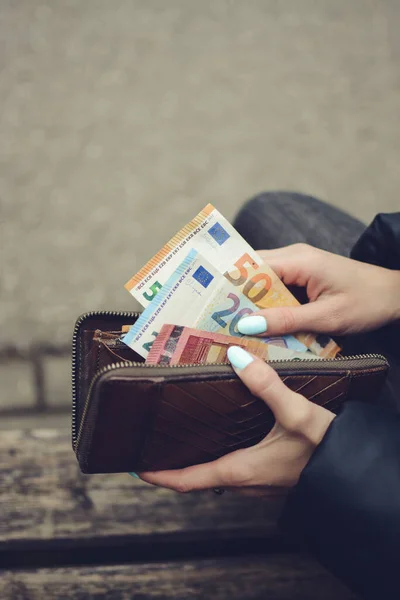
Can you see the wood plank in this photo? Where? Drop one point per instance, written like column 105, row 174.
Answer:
column 255, row 578
column 53, row 515
column 44, row 497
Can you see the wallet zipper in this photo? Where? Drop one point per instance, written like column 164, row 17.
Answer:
column 82, row 318
column 335, row 363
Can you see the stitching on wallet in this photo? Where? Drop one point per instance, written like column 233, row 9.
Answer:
column 189, row 443
column 152, row 417
column 190, row 430
column 212, row 409
column 200, row 400
column 229, row 398
column 368, row 373
column 219, row 443
column 328, row 402
column 328, row 387
column 224, row 416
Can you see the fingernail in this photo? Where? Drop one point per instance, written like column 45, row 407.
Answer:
column 134, row 475
column 239, row 358
column 253, row 324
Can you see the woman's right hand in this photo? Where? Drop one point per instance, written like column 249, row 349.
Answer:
column 346, row 296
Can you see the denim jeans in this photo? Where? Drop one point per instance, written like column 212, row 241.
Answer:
column 276, row 219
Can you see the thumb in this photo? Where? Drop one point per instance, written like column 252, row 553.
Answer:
column 312, row 317
column 291, row 410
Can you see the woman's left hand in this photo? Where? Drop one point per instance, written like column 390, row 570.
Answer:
column 278, row 460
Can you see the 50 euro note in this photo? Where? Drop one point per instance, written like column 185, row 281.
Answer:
column 177, row 345
column 198, row 296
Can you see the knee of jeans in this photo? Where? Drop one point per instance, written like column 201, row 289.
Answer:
column 266, row 201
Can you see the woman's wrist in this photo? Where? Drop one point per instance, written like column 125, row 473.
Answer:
column 318, row 426
column 395, row 296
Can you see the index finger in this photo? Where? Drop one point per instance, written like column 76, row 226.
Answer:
column 293, row 264
column 264, row 382
column 291, row 410
column 217, row 473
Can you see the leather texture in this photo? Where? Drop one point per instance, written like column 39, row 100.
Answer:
column 139, row 418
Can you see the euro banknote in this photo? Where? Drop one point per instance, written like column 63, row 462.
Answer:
column 198, row 296
column 219, row 243
column 226, row 307
column 263, row 287
column 210, row 234
column 177, row 345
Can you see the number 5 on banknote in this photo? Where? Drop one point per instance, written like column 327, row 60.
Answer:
column 155, row 288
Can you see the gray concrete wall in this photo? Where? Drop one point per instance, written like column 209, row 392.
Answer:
column 121, row 119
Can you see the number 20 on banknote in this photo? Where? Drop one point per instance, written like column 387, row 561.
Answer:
column 219, row 316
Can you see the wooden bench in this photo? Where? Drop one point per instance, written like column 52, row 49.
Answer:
column 68, row 535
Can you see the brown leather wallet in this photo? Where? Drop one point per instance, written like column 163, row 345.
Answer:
column 129, row 416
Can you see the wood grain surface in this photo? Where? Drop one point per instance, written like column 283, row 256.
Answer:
column 44, row 496
column 67, row 535
column 272, row 578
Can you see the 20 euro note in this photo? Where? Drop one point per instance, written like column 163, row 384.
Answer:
column 177, row 345
column 198, row 296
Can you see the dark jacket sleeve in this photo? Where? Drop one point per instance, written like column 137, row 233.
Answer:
column 346, row 505
column 380, row 243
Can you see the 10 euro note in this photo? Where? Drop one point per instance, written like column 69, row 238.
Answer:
column 177, row 345
column 198, row 296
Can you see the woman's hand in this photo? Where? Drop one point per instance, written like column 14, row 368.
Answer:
column 279, row 458
column 346, row 296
